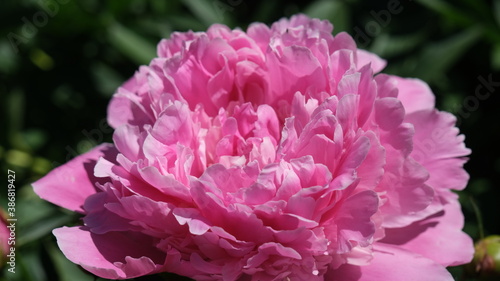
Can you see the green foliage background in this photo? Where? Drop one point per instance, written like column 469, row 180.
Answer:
column 57, row 76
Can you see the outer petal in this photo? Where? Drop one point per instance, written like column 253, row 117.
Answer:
column 365, row 57
column 414, row 94
column 438, row 237
column 125, row 106
column 438, row 146
column 392, row 264
column 114, row 255
column 69, row 185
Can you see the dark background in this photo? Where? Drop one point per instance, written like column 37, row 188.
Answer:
column 61, row 60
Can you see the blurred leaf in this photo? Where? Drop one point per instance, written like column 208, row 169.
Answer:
column 70, row 18
column 162, row 7
column 155, row 27
column 265, row 11
column 478, row 5
column 66, row 270
column 31, row 208
column 42, row 228
column 138, row 49
column 106, row 78
column 479, row 186
column 118, row 7
column 495, row 57
column 32, row 263
column 437, row 58
column 456, row 272
column 496, row 11
column 387, row 46
column 186, row 23
column 452, row 102
column 15, row 105
column 34, row 138
column 448, row 11
column 41, row 59
column 8, row 57
column 335, row 11
column 18, row 158
column 28, row 266
column 37, row 218
column 65, row 97
column 210, row 12
column 41, row 166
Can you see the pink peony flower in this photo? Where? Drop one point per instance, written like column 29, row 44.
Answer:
column 272, row 154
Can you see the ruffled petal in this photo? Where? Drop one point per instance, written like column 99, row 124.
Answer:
column 69, row 185
column 364, row 58
column 437, row 237
column 114, row 255
column 390, row 263
column 439, row 148
column 414, row 94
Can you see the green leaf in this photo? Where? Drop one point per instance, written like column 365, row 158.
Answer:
column 28, row 266
column 387, row 46
column 33, row 265
column 495, row 57
column 15, row 111
column 106, row 78
column 36, row 218
column 8, row 57
column 34, row 138
column 138, row 49
column 163, row 7
column 42, row 228
column 186, row 23
column 66, row 270
column 210, row 12
column 335, row 11
column 265, row 11
column 480, row 6
column 496, row 11
column 448, row 11
column 438, row 57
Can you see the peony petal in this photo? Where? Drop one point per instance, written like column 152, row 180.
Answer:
column 69, row 185
column 437, row 237
column 437, row 146
column 271, row 249
column 364, row 58
column 414, row 94
column 343, row 41
column 389, row 113
column 197, row 224
column 99, row 219
column 295, row 70
column 126, row 140
column 126, row 106
column 115, row 255
column 390, row 263
column 155, row 217
column 353, row 220
column 406, row 194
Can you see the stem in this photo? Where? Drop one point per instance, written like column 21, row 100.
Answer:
column 479, row 218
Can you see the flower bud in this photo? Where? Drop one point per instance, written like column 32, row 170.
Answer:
column 486, row 261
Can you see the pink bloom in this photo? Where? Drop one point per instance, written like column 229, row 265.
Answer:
column 272, row 154
column 4, row 239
